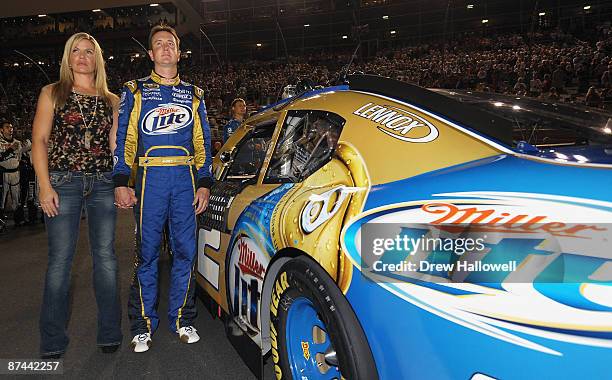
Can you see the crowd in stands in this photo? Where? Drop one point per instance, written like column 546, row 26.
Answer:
column 552, row 67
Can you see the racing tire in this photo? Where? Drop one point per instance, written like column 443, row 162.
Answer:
column 309, row 316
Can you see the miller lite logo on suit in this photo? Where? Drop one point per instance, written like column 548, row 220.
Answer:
column 166, row 119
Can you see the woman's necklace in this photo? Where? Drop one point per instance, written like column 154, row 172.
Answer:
column 88, row 133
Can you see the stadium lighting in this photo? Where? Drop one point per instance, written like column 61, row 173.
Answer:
column 385, row 17
column 542, row 14
column 586, row 7
column 154, row 5
column 393, row 32
column 96, row 10
column 470, row 6
column 484, row 21
column 42, row 15
column 344, row 37
column 258, row 44
column 306, row 25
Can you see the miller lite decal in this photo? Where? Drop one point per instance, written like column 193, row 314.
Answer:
column 247, row 270
column 166, row 119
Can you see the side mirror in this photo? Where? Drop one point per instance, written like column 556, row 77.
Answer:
column 225, row 156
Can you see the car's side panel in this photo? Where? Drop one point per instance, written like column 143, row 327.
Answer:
column 514, row 330
column 212, row 280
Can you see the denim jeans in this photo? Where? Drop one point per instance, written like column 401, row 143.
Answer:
column 95, row 192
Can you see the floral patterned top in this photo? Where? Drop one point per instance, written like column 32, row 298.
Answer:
column 81, row 145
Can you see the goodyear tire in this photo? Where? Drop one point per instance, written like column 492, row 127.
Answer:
column 310, row 317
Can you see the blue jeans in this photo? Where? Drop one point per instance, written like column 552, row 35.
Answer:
column 95, row 192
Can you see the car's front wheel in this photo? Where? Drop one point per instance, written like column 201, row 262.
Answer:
column 314, row 331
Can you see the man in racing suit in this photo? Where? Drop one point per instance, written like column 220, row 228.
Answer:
column 238, row 112
column 11, row 150
column 164, row 131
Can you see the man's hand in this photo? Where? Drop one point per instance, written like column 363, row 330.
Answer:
column 125, row 197
column 201, row 200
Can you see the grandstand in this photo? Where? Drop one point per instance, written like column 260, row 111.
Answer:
column 555, row 50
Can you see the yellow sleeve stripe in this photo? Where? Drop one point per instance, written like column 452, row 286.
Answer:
column 131, row 138
column 199, row 151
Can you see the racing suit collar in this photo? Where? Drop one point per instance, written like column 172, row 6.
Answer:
column 159, row 79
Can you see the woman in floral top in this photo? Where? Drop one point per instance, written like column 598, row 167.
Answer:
column 72, row 143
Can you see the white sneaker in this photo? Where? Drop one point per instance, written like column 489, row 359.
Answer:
column 188, row 334
column 141, row 342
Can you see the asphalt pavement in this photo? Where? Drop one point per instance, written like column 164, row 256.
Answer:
column 23, row 254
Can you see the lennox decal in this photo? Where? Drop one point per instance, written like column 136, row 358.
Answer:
column 398, row 123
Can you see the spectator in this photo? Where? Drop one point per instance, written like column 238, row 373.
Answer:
column 11, row 151
column 593, row 99
column 535, row 85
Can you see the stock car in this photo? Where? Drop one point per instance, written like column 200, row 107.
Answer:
column 285, row 257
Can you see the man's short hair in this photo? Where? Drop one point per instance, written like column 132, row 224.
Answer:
column 164, row 28
column 236, row 101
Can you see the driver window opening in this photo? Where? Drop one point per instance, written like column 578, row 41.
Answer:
column 308, row 141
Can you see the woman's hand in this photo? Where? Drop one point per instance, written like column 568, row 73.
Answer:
column 125, row 197
column 49, row 201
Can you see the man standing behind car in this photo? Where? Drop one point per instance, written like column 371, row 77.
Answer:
column 11, row 150
column 163, row 129
column 238, row 111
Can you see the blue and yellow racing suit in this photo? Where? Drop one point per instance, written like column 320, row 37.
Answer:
column 230, row 128
column 163, row 132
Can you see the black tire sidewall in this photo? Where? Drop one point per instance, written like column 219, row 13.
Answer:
column 305, row 278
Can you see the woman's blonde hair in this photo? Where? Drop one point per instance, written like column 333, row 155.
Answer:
column 63, row 87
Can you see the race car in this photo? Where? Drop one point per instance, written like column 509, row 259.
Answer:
column 315, row 246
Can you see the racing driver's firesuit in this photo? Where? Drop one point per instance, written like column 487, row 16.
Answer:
column 163, row 129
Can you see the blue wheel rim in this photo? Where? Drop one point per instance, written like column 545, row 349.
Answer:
column 303, row 346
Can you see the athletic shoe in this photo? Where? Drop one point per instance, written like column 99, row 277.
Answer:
column 141, row 342
column 188, row 334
